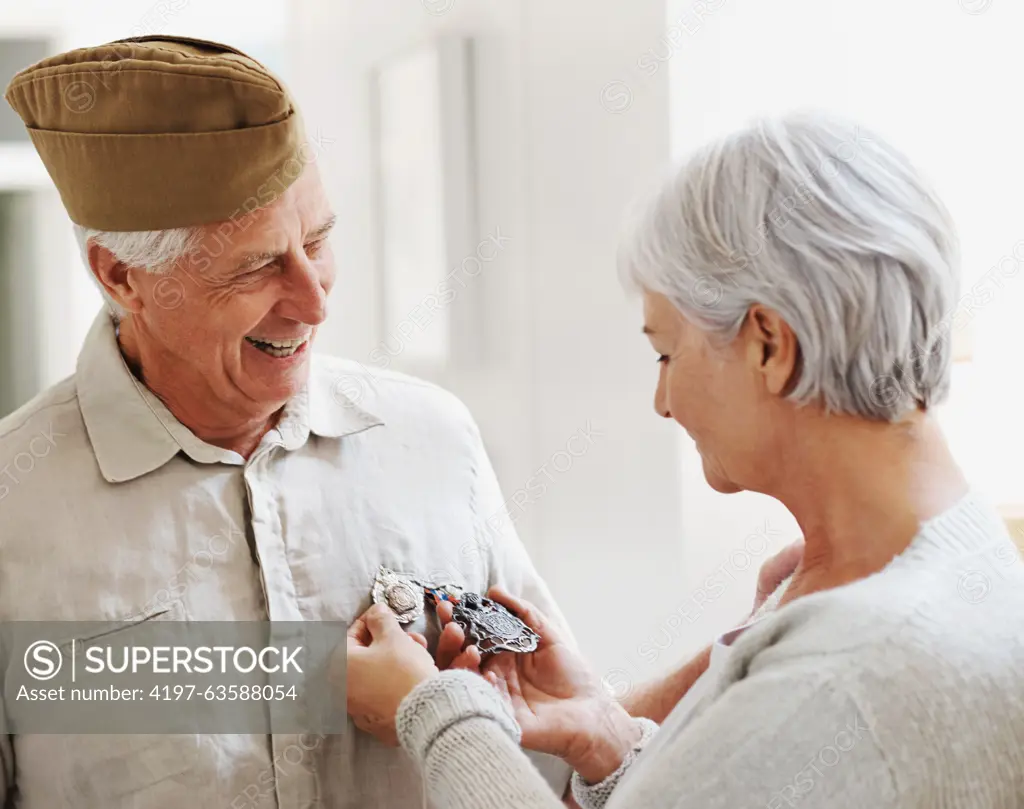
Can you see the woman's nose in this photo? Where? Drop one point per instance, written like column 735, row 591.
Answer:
column 661, row 401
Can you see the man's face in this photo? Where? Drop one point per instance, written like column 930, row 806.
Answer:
column 239, row 315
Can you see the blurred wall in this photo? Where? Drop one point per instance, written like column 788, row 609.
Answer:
column 560, row 153
column 20, row 362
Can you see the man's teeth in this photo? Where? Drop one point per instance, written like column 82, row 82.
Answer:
column 278, row 348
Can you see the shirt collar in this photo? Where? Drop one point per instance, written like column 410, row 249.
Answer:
column 133, row 433
column 323, row 407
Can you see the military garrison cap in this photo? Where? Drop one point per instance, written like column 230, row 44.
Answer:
column 159, row 132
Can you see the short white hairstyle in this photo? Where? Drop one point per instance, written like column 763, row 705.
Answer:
column 155, row 251
column 827, row 224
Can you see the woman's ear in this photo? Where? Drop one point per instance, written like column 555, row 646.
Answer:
column 772, row 349
column 114, row 276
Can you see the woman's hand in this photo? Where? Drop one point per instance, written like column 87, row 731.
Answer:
column 383, row 665
column 561, row 706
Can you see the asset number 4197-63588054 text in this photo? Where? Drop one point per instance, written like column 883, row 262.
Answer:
column 221, row 693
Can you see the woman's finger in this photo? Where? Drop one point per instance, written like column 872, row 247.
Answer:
column 445, row 612
column 500, row 686
column 353, row 649
column 449, row 645
column 359, row 631
column 468, row 659
column 416, row 636
column 501, row 672
column 528, row 614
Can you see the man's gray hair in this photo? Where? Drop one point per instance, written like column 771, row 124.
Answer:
column 153, row 250
column 825, row 223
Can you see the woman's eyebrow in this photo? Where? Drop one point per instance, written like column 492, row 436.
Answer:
column 647, row 330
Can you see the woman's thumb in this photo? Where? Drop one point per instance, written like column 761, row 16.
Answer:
column 381, row 622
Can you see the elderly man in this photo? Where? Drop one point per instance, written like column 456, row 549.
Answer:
column 202, row 463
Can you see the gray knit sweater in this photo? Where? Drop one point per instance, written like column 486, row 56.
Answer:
column 904, row 689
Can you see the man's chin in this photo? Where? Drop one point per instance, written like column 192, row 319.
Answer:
column 279, row 384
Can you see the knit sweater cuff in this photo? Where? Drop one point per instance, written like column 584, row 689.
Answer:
column 445, row 700
column 595, row 796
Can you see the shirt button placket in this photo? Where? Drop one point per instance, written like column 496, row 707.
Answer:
column 295, row 780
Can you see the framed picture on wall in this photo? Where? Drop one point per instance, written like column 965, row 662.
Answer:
column 426, row 205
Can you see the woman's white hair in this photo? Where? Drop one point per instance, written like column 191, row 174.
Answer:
column 153, row 250
column 825, row 223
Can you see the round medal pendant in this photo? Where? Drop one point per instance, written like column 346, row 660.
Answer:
column 402, row 595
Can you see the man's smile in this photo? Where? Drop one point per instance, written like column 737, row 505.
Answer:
column 280, row 348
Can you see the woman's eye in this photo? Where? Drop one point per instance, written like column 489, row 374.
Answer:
column 663, row 358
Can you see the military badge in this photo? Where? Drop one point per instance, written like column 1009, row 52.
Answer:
column 487, row 624
column 402, row 594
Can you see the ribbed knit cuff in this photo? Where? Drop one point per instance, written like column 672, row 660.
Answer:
column 444, row 700
column 595, row 796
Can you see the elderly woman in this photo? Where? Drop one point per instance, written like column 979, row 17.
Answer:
column 798, row 278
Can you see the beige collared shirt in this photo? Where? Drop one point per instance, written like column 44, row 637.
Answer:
column 110, row 509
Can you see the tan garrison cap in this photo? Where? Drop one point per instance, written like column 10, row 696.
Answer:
column 159, row 132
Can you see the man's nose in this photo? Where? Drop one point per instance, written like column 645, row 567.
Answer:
column 308, row 294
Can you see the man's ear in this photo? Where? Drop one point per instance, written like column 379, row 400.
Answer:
column 114, row 276
column 772, row 349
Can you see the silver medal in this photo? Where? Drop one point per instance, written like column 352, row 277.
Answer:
column 491, row 627
column 402, row 594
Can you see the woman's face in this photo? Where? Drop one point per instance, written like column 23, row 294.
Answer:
column 724, row 397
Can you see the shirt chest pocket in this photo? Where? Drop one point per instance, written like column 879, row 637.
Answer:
column 104, row 769
column 109, row 770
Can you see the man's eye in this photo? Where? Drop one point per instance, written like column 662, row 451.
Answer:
column 256, row 272
column 313, row 248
